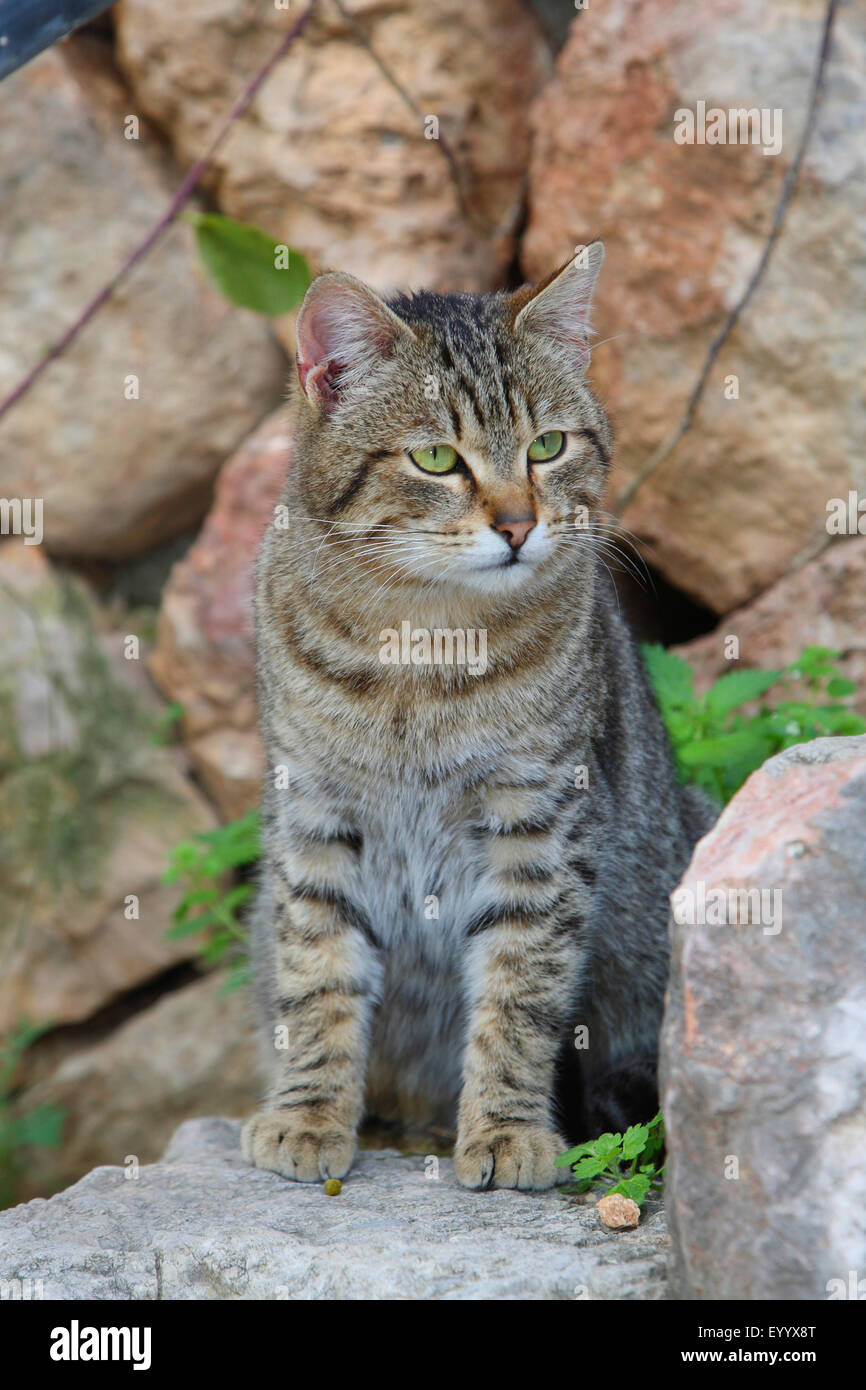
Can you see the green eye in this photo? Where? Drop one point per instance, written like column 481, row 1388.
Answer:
column 439, row 458
column 546, row 446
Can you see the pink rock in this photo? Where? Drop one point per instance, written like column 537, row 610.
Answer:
column 204, row 656
column 763, row 1063
column 743, row 498
column 617, row 1212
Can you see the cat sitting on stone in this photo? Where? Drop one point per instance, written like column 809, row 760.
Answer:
column 463, row 902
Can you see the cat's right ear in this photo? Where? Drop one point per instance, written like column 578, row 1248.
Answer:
column 343, row 330
column 559, row 307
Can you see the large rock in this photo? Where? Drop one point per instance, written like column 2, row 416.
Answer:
column 329, row 159
column 744, row 496
column 115, row 474
column 201, row 1224
column 204, row 656
column 823, row 603
column 122, row 1098
column 89, row 807
column 764, row 1048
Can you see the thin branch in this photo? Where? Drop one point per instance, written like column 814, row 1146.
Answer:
column 186, row 187
column 668, row 445
column 444, row 146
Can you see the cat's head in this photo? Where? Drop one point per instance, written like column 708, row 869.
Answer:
column 452, row 439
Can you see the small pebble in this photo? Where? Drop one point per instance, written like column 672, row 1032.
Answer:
column 617, row 1212
column 333, row 1187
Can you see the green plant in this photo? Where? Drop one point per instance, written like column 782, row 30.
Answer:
column 626, row 1163
column 717, row 745
column 247, row 266
column 28, row 1129
column 210, row 905
column 165, row 725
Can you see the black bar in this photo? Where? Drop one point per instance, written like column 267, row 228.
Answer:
column 28, row 26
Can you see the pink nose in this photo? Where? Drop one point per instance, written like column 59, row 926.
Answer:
column 515, row 529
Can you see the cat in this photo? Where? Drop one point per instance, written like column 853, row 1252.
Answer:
column 463, row 900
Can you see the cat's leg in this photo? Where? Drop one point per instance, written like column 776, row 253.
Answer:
column 506, row 1133
column 322, row 959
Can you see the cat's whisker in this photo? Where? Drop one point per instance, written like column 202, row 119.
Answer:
column 391, row 548
column 391, row 552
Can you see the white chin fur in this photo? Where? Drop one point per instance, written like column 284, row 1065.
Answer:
column 483, row 564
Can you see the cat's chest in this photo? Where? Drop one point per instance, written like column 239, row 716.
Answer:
column 423, row 871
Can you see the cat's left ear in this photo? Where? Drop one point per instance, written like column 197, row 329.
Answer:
column 343, row 330
column 559, row 307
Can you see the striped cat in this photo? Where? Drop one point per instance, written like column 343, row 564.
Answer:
column 463, row 904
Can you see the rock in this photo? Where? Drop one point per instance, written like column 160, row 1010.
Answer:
column 116, row 475
column 329, row 159
column 204, row 656
column 763, row 1064
column 201, row 1224
column 89, row 807
column 743, row 498
column 123, row 1097
column 618, row 1213
column 821, row 604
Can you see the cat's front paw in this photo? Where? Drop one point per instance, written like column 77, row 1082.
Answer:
column 305, row 1150
column 522, row 1156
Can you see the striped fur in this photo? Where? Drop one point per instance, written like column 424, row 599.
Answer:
column 422, row 789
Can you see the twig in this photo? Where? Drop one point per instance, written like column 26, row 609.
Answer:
column 668, row 445
column 444, row 146
column 186, row 187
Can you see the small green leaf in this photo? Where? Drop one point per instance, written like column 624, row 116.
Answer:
column 607, row 1147
column 634, row 1140
column 243, row 263
column 839, row 686
column 40, row 1128
column 716, row 752
column 565, row 1160
column 635, row 1187
column 670, row 675
column 738, row 688
column 588, row 1167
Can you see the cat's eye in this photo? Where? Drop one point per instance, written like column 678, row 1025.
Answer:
column 547, row 446
column 439, row 458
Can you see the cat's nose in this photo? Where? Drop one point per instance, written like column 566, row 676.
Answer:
column 515, row 529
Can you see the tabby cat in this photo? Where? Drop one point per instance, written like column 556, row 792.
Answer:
column 463, row 904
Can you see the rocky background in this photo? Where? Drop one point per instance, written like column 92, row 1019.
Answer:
column 560, row 123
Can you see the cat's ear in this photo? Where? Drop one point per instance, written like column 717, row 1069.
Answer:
column 343, row 329
column 559, row 307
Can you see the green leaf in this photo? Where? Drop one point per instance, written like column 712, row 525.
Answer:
column 567, row 1159
column 671, row 677
column 243, row 263
column 607, row 1147
column 633, row 1141
column 738, row 688
column 588, row 1167
column 635, row 1187
column 840, row 685
column 811, row 659
column 40, row 1128
column 716, row 752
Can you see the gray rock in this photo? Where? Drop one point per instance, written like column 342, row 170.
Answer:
column 201, row 1224
column 764, row 1045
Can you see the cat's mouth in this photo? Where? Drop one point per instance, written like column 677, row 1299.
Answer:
column 505, row 563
